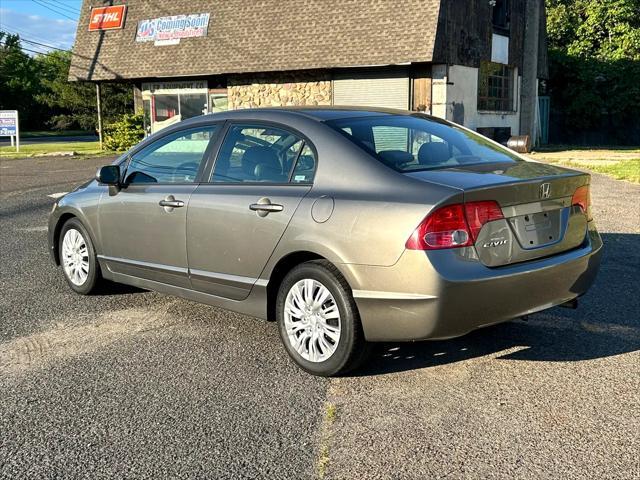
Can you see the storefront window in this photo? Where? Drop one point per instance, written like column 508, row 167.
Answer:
column 219, row 102
column 146, row 110
column 166, row 103
column 165, row 107
column 192, row 105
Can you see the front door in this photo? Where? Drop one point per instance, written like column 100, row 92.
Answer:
column 235, row 221
column 143, row 225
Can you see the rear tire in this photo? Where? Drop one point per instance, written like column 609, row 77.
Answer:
column 318, row 320
column 78, row 258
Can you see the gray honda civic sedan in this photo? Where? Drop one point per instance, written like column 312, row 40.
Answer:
column 346, row 226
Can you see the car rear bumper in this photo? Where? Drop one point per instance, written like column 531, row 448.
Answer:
column 447, row 293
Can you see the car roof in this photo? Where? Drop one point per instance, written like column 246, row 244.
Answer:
column 318, row 113
column 323, row 113
column 294, row 115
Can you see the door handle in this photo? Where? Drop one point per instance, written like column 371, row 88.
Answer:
column 264, row 207
column 170, row 203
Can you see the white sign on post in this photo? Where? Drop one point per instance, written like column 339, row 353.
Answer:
column 9, row 126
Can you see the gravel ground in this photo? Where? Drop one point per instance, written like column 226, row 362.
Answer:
column 554, row 397
column 140, row 385
column 134, row 384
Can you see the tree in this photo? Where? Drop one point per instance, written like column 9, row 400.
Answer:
column 605, row 29
column 19, row 81
column 77, row 100
column 594, row 53
column 38, row 88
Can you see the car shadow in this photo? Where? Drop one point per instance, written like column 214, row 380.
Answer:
column 606, row 323
column 109, row 288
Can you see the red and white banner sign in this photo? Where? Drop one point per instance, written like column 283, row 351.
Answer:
column 107, row 18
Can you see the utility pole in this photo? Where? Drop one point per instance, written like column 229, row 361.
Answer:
column 99, row 113
column 529, row 87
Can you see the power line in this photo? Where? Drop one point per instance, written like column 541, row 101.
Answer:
column 24, row 49
column 22, row 39
column 62, row 6
column 54, row 10
column 19, row 31
column 44, row 45
column 30, row 50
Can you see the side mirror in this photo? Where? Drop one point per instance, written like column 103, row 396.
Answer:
column 109, row 175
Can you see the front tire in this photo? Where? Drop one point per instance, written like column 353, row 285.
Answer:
column 318, row 320
column 78, row 258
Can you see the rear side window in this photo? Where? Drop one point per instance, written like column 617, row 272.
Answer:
column 262, row 154
column 305, row 166
column 415, row 142
column 175, row 158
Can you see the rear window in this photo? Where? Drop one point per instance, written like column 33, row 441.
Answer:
column 409, row 143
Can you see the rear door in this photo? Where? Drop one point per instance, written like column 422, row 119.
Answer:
column 235, row 221
column 143, row 225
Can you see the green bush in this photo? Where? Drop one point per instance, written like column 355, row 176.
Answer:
column 124, row 133
column 594, row 100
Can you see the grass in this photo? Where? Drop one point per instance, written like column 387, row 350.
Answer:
column 323, row 457
column 50, row 133
column 623, row 170
column 331, row 412
column 80, row 148
column 620, row 163
column 580, row 148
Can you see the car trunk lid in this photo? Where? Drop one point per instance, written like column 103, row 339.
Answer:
column 540, row 218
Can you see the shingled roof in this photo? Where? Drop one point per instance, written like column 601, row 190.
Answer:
column 259, row 36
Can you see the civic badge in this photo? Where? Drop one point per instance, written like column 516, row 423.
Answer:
column 545, row 190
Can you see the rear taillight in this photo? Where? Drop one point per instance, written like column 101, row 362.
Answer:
column 479, row 213
column 453, row 226
column 582, row 199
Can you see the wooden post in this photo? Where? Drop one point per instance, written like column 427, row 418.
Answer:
column 99, row 114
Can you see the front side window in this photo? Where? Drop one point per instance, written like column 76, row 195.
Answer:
column 175, row 158
column 252, row 153
column 416, row 142
column 495, row 91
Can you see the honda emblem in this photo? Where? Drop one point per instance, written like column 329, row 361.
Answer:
column 545, row 190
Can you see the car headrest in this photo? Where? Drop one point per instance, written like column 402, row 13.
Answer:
column 264, row 172
column 433, row 153
column 395, row 158
column 259, row 155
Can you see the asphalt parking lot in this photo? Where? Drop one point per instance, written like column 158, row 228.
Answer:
column 133, row 384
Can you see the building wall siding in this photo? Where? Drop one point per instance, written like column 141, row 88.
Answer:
column 455, row 98
column 464, row 34
column 279, row 90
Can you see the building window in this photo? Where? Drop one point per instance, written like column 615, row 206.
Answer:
column 501, row 15
column 495, row 87
column 165, row 107
column 218, row 100
column 166, row 103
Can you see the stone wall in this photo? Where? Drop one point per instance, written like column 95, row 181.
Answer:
column 279, row 89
